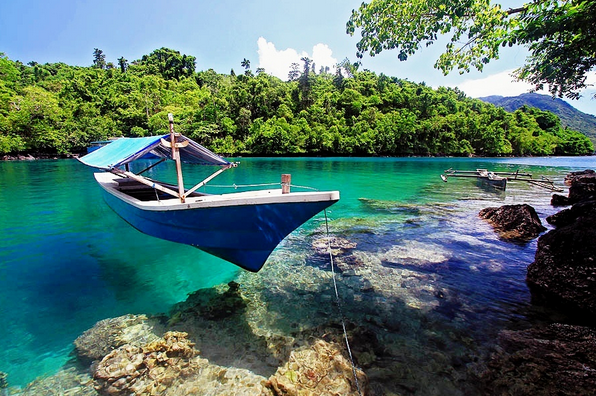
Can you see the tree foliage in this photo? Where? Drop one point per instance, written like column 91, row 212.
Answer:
column 56, row 108
column 560, row 35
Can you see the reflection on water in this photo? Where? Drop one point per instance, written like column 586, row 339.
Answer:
column 428, row 281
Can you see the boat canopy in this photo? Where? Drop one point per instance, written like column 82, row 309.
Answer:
column 125, row 150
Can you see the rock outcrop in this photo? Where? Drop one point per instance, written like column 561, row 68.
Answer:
column 516, row 222
column 564, row 268
column 582, row 187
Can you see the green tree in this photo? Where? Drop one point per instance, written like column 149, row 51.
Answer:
column 99, row 59
column 123, row 63
column 168, row 63
column 560, row 34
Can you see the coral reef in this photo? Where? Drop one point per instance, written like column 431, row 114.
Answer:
column 170, row 366
column 146, row 370
column 69, row 381
column 317, row 369
column 517, row 222
column 109, row 334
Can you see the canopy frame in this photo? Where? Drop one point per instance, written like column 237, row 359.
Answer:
column 121, row 152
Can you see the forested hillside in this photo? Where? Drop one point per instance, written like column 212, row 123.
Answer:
column 57, row 108
column 570, row 116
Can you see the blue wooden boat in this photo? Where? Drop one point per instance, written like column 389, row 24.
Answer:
column 241, row 227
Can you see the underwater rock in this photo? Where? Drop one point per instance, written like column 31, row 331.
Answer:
column 338, row 246
column 416, row 253
column 564, row 267
column 66, row 382
column 3, row 381
column 317, row 369
column 518, row 222
column 171, row 366
column 210, row 304
column 109, row 334
column 555, row 360
column 146, row 370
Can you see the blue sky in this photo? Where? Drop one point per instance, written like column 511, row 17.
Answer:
column 221, row 33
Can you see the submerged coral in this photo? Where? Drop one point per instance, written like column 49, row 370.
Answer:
column 69, row 381
column 317, row 369
column 109, row 334
column 171, row 366
column 146, row 370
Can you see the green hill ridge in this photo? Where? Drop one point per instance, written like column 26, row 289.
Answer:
column 569, row 115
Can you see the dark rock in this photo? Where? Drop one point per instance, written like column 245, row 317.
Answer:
column 582, row 186
column 518, row 222
column 586, row 209
column 210, row 304
column 555, row 360
column 564, row 268
column 3, row 381
column 559, row 200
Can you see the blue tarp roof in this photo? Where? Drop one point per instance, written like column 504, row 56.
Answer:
column 125, row 150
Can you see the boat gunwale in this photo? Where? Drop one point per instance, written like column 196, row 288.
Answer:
column 257, row 197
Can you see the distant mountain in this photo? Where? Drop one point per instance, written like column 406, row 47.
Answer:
column 569, row 115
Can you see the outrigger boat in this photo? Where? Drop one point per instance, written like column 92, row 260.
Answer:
column 241, row 227
column 499, row 180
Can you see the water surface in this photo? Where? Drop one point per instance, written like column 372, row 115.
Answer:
column 67, row 261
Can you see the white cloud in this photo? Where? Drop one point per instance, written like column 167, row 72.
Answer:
column 496, row 84
column 277, row 62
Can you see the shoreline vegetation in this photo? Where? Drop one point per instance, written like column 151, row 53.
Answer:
column 57, row 110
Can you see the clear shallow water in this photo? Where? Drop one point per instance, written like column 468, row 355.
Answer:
column 67, row 261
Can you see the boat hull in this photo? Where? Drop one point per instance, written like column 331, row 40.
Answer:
column 243, row 228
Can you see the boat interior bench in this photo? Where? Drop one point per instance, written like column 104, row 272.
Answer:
column 143, row 192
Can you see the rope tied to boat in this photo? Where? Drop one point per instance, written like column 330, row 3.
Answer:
column 338, row 302
column 237, row 186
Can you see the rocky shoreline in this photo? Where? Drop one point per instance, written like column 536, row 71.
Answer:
column 554, row 358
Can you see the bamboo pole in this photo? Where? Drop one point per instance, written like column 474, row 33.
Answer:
column 201, row 184
column 149, row 183
column 176, row 158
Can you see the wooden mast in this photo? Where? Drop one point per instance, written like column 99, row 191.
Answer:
column 176, row 157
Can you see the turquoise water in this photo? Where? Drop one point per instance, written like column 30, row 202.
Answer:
column 67, row 261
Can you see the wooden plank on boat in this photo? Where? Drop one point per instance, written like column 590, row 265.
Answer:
column 286, row 179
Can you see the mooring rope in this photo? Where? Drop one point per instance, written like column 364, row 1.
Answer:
column 235, row 186
column 343, row 321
